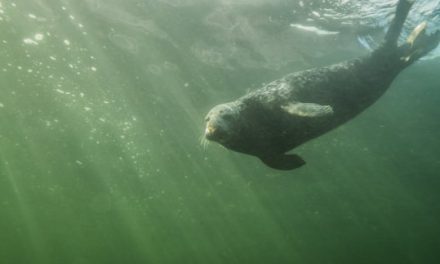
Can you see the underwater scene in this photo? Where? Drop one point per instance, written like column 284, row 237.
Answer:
column 105, row 158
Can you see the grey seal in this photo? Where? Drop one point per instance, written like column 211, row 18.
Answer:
column 270, row 121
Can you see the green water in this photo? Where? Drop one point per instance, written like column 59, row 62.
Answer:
column 101, row 114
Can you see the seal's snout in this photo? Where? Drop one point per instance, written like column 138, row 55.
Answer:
column 215, row 133
column 209, row 131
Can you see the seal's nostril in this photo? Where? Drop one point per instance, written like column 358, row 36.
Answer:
column 209, row 130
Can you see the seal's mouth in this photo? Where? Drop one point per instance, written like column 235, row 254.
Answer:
column 210, row 132
column 215, row 133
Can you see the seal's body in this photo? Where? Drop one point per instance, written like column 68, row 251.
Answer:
column 300, row 106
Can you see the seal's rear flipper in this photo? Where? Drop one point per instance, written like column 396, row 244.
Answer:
column 417, row 31
column 418, row 44
column 284, row 161
column 393, row 33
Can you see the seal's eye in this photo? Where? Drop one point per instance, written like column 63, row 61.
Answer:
column 207, row 119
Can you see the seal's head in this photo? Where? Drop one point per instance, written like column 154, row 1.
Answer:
column 221, row 123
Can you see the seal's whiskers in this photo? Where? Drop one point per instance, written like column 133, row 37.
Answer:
column 204, row 142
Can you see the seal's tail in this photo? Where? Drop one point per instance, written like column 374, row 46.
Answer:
column 418, row 43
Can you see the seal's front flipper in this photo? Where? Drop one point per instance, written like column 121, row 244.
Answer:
column 284, row 161
column 308, row 109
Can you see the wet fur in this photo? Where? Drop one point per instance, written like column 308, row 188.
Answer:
column 262, row 128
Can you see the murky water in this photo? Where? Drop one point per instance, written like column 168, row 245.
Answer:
column 101, row 114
